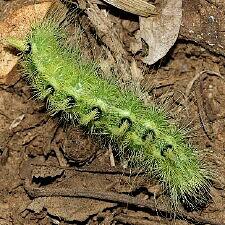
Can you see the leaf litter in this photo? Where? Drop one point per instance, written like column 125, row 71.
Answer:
column 35, row 124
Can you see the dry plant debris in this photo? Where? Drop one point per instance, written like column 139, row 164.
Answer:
column 161, row 31
column 17, row 24
column 30, row 131
column 137, row 7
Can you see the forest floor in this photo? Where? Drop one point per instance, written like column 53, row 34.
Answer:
column 56, row 173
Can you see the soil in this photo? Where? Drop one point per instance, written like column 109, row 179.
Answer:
column 56, row 173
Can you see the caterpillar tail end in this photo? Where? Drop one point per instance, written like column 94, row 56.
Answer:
column 193, row 193
column 194, row 202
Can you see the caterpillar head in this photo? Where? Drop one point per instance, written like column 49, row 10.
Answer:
column 18, row 44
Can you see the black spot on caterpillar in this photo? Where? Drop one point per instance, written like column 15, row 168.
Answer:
column 73, row 86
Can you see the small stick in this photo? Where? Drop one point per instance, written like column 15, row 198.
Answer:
column 197, row 76
column 111, row 197
column 111, row 170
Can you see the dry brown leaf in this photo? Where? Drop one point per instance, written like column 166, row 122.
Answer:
column 106, row 31
column 46, row 172
column 17, row 25
column 69, row 209
column 137, row 7
column 160, row 32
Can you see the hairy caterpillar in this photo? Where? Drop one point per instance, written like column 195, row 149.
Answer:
column 72, row 85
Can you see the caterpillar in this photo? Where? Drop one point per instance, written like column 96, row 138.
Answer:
column 73, row 85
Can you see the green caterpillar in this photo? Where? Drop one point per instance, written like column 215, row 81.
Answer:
column 73, row 86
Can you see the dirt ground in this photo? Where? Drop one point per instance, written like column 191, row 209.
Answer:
column 56, row 173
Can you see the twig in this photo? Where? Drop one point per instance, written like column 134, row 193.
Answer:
column 202, row 115
column 112, row 197
column 110, row 170
column 197, row 76
column 207, row 129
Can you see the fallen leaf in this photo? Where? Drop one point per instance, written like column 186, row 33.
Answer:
column 160, row 32
column 137, row 7
column 45, row 172
column 17, row 25
column 69, row 209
